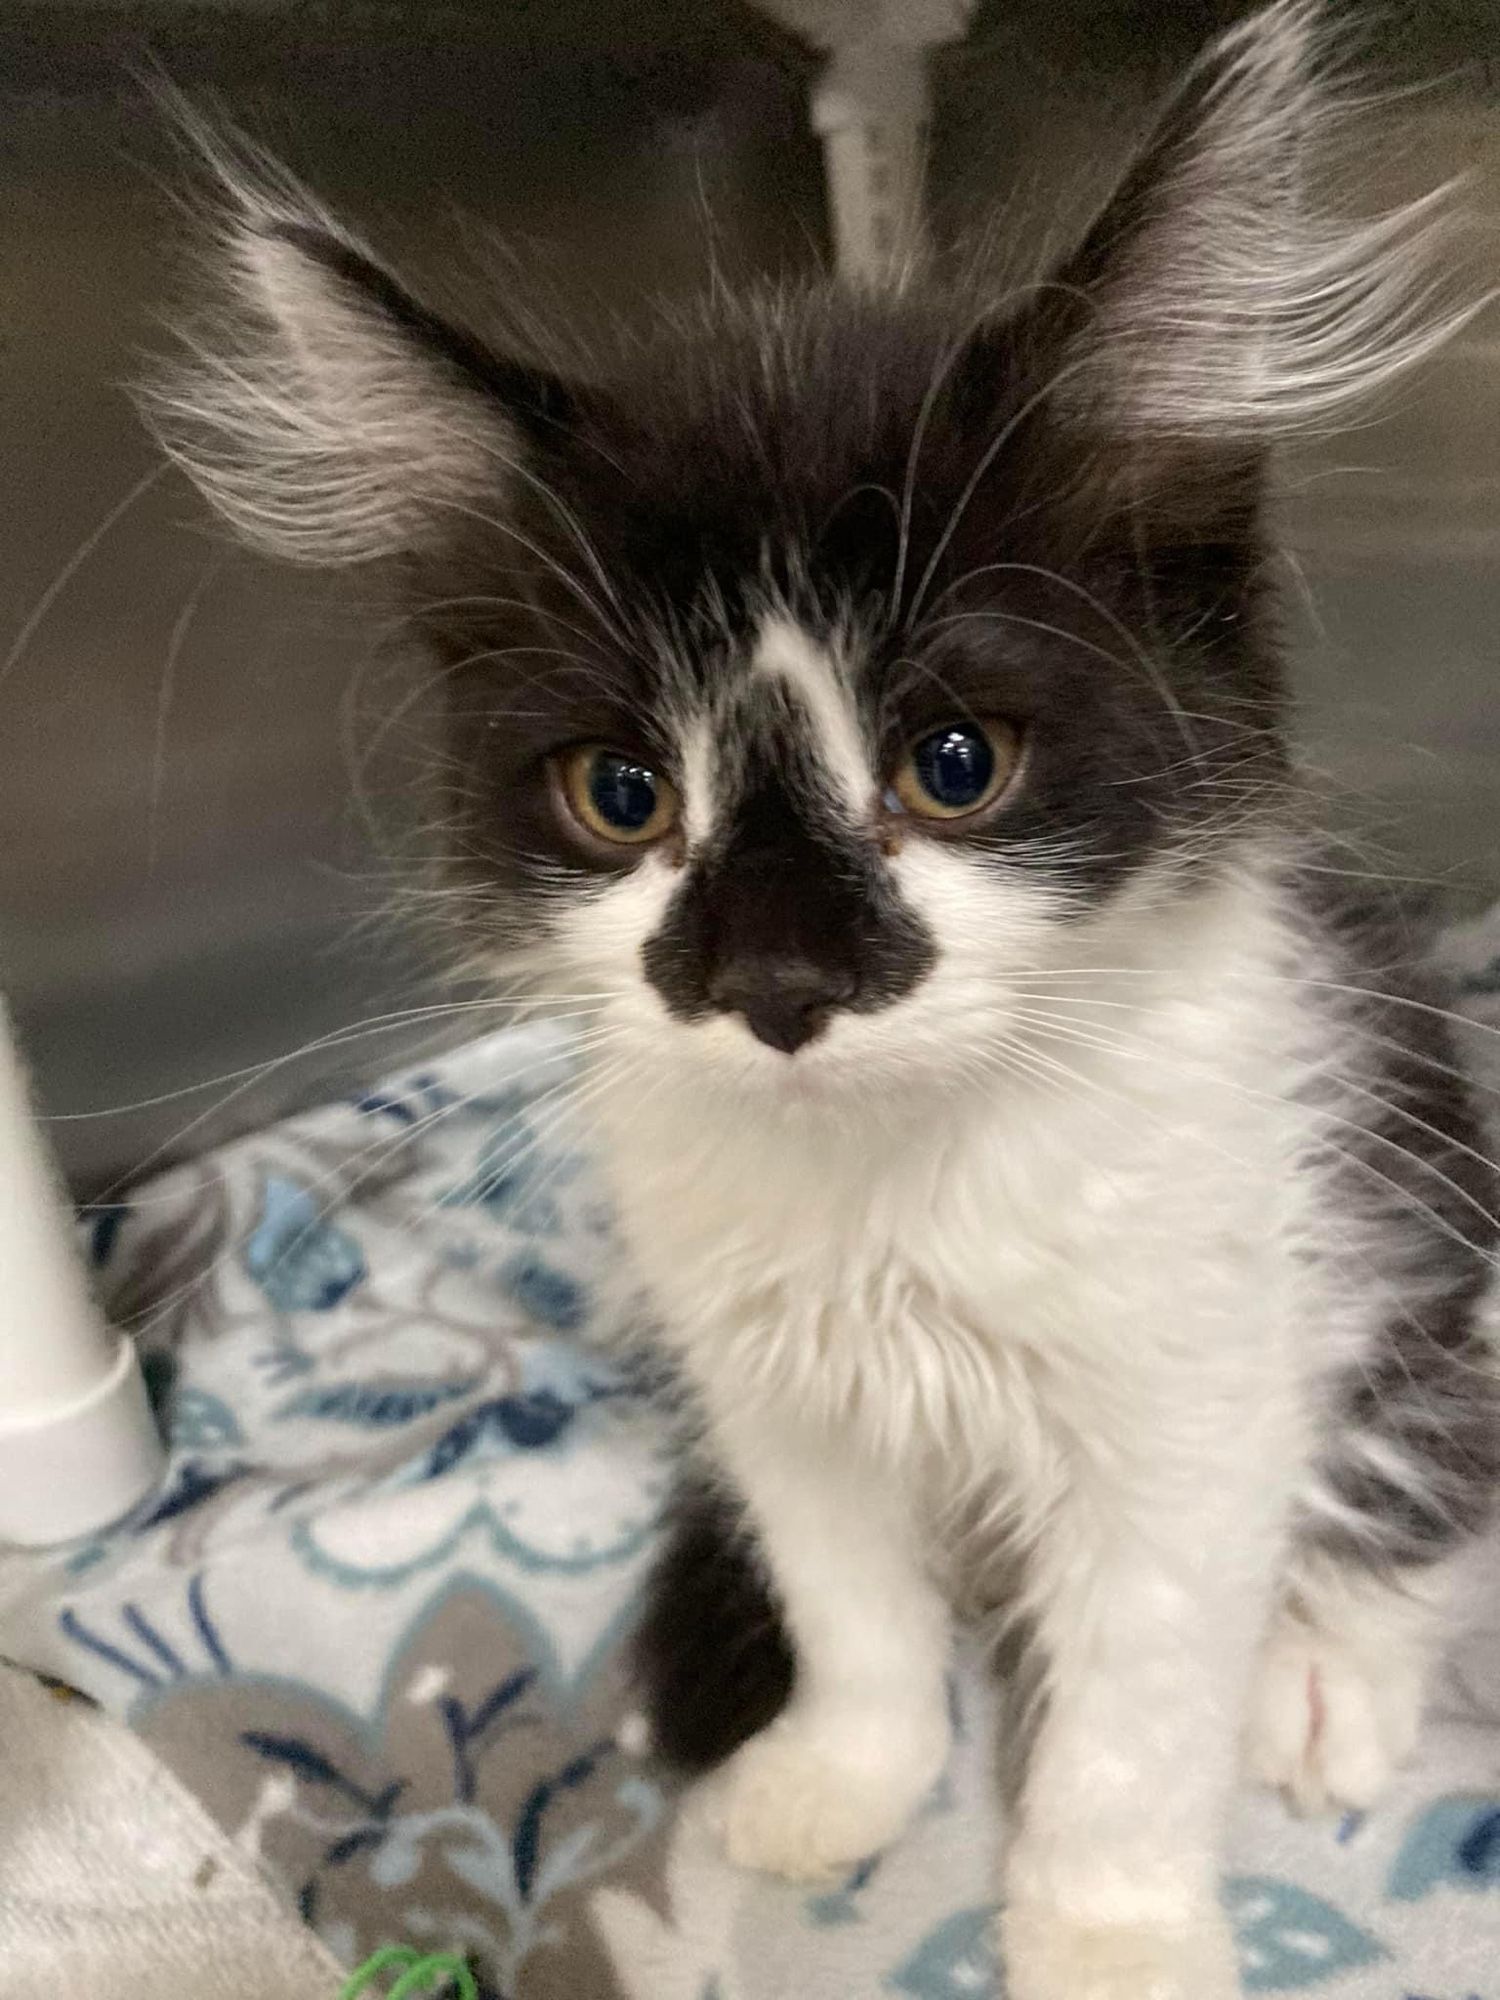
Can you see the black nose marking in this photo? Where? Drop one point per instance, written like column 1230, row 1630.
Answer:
column 785, row 1003
column 785, row 920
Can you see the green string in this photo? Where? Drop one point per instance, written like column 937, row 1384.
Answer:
column 444, row 1965
column 364, row 1975
column 418, row 1975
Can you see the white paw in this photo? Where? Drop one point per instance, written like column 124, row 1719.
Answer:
column 808, row 1801
column 1049, row 1956
column 1328, row 1728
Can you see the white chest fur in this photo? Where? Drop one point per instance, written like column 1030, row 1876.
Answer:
column 980, row 1283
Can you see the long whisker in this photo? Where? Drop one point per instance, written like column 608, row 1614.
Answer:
column 1467, row 1023
column 559, row 1099
column 354, row 1031
column 569, row 1099
column 942, row 369
column 489, row 601
column 1045, row 1024
column 1148, row 666
column 518, row 469
column 971, row 486
column 1351, row 1026
column 359, row 762
column 579, row 592
column 162, row 1152
column 166, row 691
column 344, row 1179
column 71, row 567
column 143, row 1194
column 1065, row 1076
column 1041, row 1025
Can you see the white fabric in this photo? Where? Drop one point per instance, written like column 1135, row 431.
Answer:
column 116, row 1885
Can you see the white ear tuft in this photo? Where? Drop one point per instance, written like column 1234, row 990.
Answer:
column 319, row 408
column 1228, row 301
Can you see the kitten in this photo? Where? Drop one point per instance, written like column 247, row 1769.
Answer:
column 1063, row 1208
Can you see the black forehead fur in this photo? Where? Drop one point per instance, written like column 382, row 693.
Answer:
column 896, row 471
column 801, row 441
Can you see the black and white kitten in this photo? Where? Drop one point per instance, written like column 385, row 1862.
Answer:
column 1060, row 1212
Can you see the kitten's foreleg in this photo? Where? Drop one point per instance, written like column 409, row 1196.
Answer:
column 1151, row 1588
column 865, row 1735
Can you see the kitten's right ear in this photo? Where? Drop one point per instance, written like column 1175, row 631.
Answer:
column 324, row 411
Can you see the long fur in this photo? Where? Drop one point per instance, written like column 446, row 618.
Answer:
column 1071, row 1217
column 309, row 418
column 1247, row 306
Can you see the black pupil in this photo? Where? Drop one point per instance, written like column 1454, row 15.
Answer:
column 955, row 765
column 623, row 792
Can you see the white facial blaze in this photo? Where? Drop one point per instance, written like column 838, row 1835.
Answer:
column 696, row 749
column 816, row 682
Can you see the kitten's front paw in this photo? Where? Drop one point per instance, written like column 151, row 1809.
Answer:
column 808, row 1802
column 1327, row 1729
column 1049, row 1956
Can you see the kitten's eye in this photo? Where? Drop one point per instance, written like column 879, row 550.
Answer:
column 616, row 797
column 956, row 770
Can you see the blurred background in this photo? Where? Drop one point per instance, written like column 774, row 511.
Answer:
column 206, row 763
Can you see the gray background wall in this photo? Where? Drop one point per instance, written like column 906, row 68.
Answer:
column 206, row 765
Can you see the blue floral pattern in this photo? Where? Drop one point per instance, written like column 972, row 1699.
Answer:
column 1290, row 1939
column 957, row 1962
column 298, row 1258
column 1454, row 1844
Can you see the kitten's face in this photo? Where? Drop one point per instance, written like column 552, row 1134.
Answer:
column 829, row 907
column 833, row 668
column 836, row 686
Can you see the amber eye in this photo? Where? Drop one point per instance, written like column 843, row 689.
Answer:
column 955, row 770
column 616, row 796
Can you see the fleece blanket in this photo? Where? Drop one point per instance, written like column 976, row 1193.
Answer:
column 374, row 1617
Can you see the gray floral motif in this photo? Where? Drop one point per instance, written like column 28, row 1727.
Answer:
column 467, row 1812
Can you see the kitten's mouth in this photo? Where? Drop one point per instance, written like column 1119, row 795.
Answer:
column 807, row 1074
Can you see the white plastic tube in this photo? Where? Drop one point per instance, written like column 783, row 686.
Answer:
column 871, row 108
column 78, row 1447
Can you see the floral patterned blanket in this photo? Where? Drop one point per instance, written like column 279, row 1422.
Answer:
column 374, row 1617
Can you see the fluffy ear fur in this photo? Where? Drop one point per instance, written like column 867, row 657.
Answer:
column 325, row 412
column 1223, row 299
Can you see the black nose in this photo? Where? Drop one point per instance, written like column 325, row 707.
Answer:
column 784, row 1002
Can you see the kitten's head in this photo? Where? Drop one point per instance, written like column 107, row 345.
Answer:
column 834, row 663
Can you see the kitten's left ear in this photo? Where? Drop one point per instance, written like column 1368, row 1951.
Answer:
column 1216, row 296
column 323, row 410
